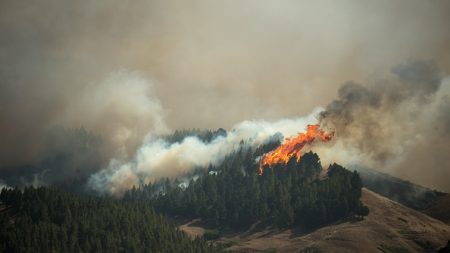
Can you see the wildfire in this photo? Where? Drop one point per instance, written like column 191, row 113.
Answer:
column 293, row 147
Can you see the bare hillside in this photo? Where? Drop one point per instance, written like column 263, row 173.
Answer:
column 390, row 227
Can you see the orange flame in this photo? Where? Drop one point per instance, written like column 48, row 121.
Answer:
column 293, row 147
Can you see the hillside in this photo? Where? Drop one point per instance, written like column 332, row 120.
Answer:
column 234, row 196
column 439, row 208
column 433, row 203
column 402, row 191
column 50, row 220
column 390, row 227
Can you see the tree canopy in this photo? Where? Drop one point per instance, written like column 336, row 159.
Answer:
column 233, row 195
column 49, row 220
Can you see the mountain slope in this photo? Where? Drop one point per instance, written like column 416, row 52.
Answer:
column 402, row 191
column 440, row 208
column 390, row 227
column 432, row 203
column 50, row 220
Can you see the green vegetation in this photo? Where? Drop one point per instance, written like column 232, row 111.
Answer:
column 232, row 195
column 211, row 235
column 228, row 196
column 48, row 220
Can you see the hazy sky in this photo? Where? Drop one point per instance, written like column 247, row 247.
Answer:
column 124, row 68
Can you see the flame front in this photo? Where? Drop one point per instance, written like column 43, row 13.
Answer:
column 293, row 147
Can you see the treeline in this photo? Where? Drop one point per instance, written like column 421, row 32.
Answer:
column 67, row 158
column 402, row 191
column 204, row 135
column 232, row 195
column 49, row 220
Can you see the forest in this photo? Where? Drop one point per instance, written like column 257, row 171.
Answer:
column 229, row 196
column 49, row 220
column 233, row 196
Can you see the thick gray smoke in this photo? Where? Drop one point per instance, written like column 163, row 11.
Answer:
column 384, row 124
column 207, row 64
column 157, row 158
column 389, row 122
column 105, row 119
column 241, row 61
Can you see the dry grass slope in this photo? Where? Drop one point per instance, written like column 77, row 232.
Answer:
column 390, row 227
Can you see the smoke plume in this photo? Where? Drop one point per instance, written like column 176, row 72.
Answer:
column 123, row 69
column 157, row 158
column 389, row 122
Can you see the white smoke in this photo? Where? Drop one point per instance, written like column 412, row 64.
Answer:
column 157, row 158
column 4, row 185
column 123, row 108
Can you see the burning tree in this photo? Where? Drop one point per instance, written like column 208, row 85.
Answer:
column 284, row 194
column 292, row 147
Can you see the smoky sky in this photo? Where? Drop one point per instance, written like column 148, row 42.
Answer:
column 397, row 123
column 124, row 69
